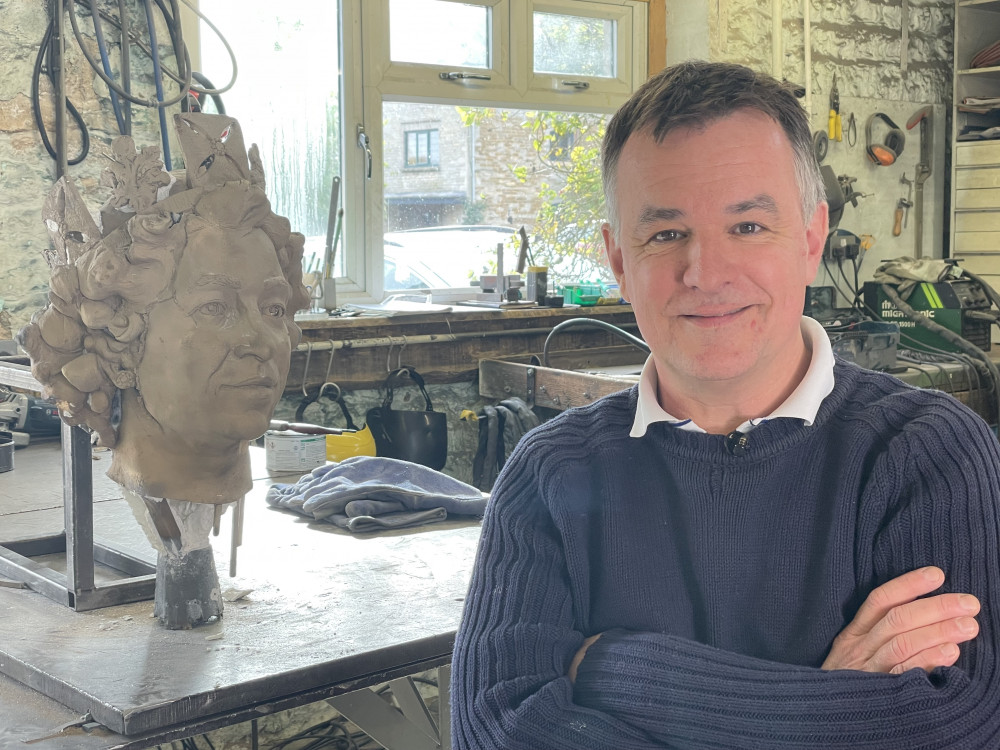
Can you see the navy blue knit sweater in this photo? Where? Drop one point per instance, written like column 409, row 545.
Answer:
column 720, row 581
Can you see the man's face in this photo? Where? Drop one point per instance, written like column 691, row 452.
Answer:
column 714, row 253
column 217, row 353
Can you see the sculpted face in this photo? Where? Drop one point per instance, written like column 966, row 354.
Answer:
column 217, row 354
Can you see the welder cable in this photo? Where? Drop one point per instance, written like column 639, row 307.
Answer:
column 36, row 106
column 125, row 63
column 225, row 43
column 592, row 323
column 111, row 84
column 102, row 47
column 183, row 76
column 951, row 337
column 158, row 81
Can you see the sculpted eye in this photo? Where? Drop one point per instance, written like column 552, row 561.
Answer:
column 275, row 311
column 213, row 309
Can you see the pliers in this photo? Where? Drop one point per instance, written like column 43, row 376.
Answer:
column 835, row 127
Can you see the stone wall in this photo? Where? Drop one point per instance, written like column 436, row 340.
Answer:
column 27, row 172
column 861, row 42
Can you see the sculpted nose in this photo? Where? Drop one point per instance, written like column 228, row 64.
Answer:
column 253, row 338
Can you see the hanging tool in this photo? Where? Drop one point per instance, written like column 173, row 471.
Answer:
column 835, row 127
column 923, row 117
column 902, row 207
column 852, row 131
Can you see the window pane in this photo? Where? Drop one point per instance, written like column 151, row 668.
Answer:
column 433, row 32
column 287, row 100
column 495, row 170
column 574, row 45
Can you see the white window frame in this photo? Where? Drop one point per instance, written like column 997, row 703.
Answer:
column 512, row 84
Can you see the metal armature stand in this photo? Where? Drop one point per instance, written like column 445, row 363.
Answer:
column 76, row 588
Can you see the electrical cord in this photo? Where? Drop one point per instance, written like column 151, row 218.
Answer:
column 42, row 66
column 122, row 93
column 106, row 64
column 593, row 323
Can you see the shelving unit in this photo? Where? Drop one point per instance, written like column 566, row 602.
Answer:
column 975, row 176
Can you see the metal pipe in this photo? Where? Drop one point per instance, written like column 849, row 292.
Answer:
column 429, row 338
column 57, row 52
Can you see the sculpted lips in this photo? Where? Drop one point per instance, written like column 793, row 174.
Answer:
column 252, row 383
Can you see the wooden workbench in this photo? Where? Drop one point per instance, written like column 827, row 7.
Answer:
column 327, row 613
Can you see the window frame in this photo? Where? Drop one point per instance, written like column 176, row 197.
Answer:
column 365, row 48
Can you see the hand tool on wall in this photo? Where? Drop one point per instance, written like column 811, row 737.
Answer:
column 902, row 207
column 852, row 131
column 835, row 127
column 923, row 117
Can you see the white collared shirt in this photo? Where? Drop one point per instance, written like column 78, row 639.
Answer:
column 803, row 403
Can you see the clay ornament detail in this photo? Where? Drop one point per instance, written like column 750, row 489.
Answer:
column 170, row 326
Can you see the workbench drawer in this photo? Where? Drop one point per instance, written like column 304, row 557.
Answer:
column 974, row 179
column 977, row 154
column 977, row 221
column 976, row 242
column 981, row 198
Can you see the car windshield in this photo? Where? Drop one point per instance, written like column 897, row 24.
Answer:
column 444, row 257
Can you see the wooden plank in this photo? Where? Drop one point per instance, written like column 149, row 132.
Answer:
column 544, row 386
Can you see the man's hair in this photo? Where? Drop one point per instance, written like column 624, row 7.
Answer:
column 695, row 94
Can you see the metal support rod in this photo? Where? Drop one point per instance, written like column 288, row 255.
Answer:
column 78, row 509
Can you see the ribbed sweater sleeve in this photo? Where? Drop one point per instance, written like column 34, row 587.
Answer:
column 931, row 495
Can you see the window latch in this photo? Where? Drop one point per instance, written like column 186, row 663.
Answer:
column 455, row 76
column 578, row 85
column 364, row 143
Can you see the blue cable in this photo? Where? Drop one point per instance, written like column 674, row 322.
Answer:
column 158, row 78
column 106, row 63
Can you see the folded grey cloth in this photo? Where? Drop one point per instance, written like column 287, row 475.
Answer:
column 368, row 493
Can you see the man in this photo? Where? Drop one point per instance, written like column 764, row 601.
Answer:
column 759, row 546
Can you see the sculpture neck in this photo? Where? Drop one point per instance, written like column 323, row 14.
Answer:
column 154, row 462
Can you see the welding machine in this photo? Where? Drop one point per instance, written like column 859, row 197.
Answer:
column 944, row 302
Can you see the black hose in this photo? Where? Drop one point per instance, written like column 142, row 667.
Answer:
column 951, row 337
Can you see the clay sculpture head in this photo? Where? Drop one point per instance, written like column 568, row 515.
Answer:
column 169, row 328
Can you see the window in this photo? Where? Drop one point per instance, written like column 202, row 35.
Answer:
column 421, row 148
column 451, row 123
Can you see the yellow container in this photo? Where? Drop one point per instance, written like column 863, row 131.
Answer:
column 348, row 443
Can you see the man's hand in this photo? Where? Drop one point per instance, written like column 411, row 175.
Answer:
column 894, row 631
column 578, row 657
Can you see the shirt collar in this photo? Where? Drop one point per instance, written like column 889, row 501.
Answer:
column 802, row 403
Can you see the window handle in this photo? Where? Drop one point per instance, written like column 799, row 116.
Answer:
column 578, row 85
column 463, row 76
column 364, row 143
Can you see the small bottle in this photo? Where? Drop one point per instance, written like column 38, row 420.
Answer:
column 538, row 282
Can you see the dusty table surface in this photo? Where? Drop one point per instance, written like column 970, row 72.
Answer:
column 325, row 611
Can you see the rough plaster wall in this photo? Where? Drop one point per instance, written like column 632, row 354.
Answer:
column 860, row 41
column 27, row 172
